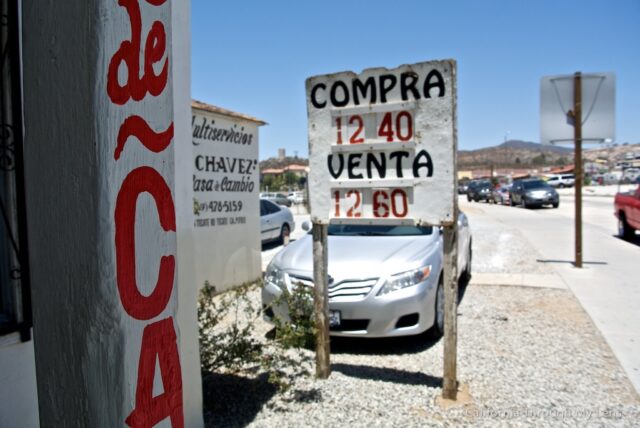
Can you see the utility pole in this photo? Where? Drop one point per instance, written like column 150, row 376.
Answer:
column 577, row 129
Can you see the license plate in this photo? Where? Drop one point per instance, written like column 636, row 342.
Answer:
column 334, row 318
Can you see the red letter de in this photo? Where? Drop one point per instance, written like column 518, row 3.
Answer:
column 129, row 53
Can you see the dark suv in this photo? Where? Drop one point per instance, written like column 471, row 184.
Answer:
column 479, row 191
column 533, row 193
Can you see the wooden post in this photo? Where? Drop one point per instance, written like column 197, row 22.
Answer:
column 321, row 300
column 577, row 130
column 450, row 280
column 449, row 381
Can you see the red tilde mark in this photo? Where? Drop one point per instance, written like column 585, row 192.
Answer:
column 142, row 179
column 139, row 128
column 158, row 342
column 129, row 53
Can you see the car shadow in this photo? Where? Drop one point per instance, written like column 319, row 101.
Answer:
column 273, row 245
column 385, row 374
column 383, row 346
column 270, row 245
column 634, row 241
column 234, row 401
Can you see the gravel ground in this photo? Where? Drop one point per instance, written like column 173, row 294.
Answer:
column 526, row 356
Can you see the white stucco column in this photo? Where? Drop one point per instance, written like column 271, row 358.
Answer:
column 107, row 103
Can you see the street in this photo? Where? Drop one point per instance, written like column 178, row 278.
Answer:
column 536, row 248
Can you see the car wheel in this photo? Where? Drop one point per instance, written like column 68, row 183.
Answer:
column 524, row 203
column 625, row 231
column 466, row 274
column 438, row 321
column 468, row 198
column 556, row 204
column 285, row 235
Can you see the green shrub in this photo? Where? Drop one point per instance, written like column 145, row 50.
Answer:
column 229, row 342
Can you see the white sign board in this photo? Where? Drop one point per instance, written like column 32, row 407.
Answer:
column 226, row 208
column 598, row 108
column 382, row 145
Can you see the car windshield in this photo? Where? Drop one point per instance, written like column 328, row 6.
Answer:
column 373, row 230
column 534, row 184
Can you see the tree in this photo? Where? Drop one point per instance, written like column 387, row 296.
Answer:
column 290, row 179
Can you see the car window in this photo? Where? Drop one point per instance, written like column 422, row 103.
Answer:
column 263, row 208
column 373, row 230
column 534, row 184
column 270, row 207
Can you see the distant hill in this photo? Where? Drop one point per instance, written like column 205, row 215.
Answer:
column 510, row 154
column 277, row 163
column 515, row 154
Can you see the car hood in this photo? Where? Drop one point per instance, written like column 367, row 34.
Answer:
column 540, row 190
column 363, row 256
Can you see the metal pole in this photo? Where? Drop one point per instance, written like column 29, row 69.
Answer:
column 449, row 381
column 320, row 300
column 577, row 129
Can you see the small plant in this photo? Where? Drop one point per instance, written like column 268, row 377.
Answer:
column 229, row 342
column 299, row 330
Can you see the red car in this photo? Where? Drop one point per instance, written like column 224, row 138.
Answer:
column 627, row 209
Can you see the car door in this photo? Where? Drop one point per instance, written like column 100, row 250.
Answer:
column 516, row 194
column 269, row 220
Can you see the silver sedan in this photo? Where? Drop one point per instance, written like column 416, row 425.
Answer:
column 276, row 222
column 383, row 280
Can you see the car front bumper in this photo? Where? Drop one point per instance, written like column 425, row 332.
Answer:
column 541, row 200
column 405, row 312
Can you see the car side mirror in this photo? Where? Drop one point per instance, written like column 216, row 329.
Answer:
column 306, row 225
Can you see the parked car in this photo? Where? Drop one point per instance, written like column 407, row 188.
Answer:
column 462, row 188
column 533, row 192
column 630, row 175
column 296, row 197
column 278, row 198
column 384, row 280
column 500, row 195
column 627, row 209
column 479, row 191
column 561, row 180
column 276, row 222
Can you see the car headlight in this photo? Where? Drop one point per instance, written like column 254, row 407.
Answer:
column 406, row 279
column 275, row 276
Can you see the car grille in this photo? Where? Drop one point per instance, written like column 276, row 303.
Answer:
column 346, row 288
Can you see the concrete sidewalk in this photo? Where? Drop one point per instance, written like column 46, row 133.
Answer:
column 607, row 287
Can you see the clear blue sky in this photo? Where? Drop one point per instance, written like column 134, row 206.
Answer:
column 254, row 57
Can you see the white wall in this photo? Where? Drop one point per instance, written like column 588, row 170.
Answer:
column 226, row 234
column 18, row 394
column 188, row 288
column 88, row 341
